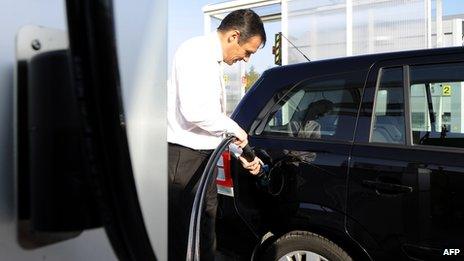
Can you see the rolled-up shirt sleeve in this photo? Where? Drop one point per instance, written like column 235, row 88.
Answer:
column 199, row 97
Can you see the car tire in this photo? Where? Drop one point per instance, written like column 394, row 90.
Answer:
column 302, row 245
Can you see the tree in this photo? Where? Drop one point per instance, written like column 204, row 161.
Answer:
column 251, row 77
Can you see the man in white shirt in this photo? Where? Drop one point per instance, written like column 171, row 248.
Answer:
column 197, row 121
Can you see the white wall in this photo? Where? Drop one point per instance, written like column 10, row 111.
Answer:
column 141, row 29
column 320, row 28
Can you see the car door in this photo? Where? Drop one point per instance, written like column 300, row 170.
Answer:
column 406, row 170
column 304, row 138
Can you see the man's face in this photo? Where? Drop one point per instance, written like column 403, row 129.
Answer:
column 235, row 52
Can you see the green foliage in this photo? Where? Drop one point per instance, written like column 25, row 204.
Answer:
column 251, row 77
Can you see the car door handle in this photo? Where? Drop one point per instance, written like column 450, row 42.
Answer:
column 388, row 187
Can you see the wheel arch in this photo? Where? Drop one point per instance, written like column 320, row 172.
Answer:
column 335, row 233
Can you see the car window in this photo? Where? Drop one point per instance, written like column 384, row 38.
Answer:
column 388, row 123
column 437, row 104
column 318, row 109
column 292, row 105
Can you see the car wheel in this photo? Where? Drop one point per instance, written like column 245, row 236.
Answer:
column 303, row 246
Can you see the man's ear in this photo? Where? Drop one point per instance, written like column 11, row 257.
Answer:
column 233, row 36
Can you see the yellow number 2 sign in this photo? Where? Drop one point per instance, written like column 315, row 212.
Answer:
column 446, row 90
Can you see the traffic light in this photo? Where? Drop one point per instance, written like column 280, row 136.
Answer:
column 277, row 49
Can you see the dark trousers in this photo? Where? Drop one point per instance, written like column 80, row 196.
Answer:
column 185, row 168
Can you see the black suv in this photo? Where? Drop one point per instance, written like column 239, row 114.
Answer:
column 365, row 161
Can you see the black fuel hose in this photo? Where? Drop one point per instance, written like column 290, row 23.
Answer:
column 193, row 247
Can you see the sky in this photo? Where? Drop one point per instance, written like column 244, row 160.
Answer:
column 186, row 21
column 451, row 7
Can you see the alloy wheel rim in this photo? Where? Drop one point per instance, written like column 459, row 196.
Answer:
column 302, row 255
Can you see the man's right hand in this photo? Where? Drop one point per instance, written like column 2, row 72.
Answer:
column 252, row 166
column 241, row 138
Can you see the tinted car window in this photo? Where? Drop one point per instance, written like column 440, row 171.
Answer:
column 388, row 122
column 325, row 108
column 436, row 104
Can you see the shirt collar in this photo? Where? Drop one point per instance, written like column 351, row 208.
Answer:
column 217, row 48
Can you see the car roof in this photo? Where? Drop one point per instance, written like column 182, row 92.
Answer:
column 280, row 78
column 358, row 62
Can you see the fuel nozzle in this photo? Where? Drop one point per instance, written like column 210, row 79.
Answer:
column 249, row 154
column 265, row 180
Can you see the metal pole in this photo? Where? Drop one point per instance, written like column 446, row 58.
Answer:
column 428, row 23
column 439, row 9
column 284, row 26
column 206, row 23
column 349, row 27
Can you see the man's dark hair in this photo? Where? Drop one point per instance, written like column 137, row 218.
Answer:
column 246, row 22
